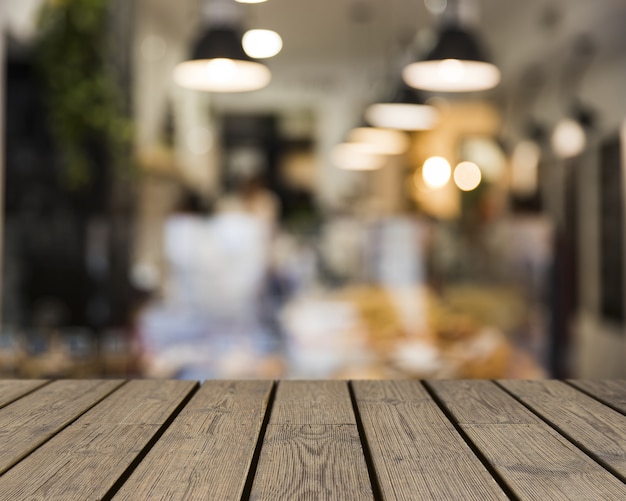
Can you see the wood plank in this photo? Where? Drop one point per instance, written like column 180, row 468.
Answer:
column 12, row 389
column 29, row 422
column 415, row 449
column 312, row 448
column 211, row 443
column 591, row 424
column 533, row 459
column 86, row 459
column 483, row 403
column 611, row 392
column 312, row 402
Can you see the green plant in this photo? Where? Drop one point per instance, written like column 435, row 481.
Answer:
column 84, row 99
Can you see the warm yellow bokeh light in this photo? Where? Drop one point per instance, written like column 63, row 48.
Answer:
column 467, row 176
column 261, row 44
column 568, row 138
column 436, row 172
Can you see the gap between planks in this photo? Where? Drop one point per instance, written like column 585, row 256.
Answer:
column 583, row 388
column 562, row 432
column 247, row 488
column 146, row 449
column 508, row 490
column 367, row 453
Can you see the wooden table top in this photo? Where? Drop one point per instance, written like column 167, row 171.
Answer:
column 290, row 440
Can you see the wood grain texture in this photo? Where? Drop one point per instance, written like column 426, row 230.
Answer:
column 483, row 403
column 312, row 449
column 416, row 451
column 29, row 422
column 312, row 402
column 596, row 427
column 535, row 461
column 611, row 392
column 88, row 457
column 208, row 449
column 12, row 389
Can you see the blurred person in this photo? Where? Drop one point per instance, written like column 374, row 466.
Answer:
column 251, row 197
column 250, row 213
column 209, row 324
column 173, row 331
column 186, row 249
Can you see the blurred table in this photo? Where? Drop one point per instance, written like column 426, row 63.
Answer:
column 288, row 440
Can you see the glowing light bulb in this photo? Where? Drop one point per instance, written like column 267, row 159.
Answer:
column 222, row 69
column 568, row 139
column 436, row 172
column 261, row 44
column 451, row 70
column 467, row 176
column 402, row 116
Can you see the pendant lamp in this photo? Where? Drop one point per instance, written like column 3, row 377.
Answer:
column 218, row 62
column 457, row 63
column 569, row 138
column 379, row 140
column 351, row 156
column 404, row 111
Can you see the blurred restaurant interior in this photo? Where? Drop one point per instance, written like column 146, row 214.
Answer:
column 331, row 189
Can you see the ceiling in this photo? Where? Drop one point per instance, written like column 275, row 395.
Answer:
column 373, row 38
column 359, row 46
column 380, row 35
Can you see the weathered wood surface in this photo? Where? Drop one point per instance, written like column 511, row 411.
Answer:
column 263, row 440
column 415, row 449
column 601, row 431
column 85, row 460
column 207, row 452
column 532, row 458
column 30, row 421
column 11, row 390
column 312, row 448
column 613, row 393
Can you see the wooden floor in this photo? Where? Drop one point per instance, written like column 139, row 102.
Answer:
column 290, row 440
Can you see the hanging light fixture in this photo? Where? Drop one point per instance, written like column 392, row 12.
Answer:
column 570, row 134
column 351, row 156
column 218, row 62
column 404, row 111
column 379, row 141
column 457, row 62
column 261, row 44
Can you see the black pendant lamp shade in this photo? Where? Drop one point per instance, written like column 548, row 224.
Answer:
column 407, row 95
column 220, row 42
column 219, row 64
column 456, row 43
column 457, row 63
